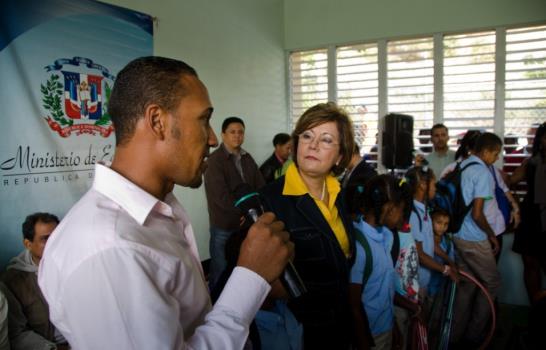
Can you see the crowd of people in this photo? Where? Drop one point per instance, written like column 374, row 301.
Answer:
column 379, row 258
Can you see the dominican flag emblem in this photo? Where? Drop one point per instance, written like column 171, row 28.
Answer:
column 82, row 96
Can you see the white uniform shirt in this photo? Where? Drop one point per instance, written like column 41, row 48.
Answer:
column 122, row 271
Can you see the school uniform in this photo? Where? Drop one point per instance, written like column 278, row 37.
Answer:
column 421, row 230
column 475, row 255
column 378, row 291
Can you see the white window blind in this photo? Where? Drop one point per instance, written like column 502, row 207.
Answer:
column 525, row 92
column 308, row 81
column 410, row 83
column 469, row 82
column 357, row 92
column 399, row 76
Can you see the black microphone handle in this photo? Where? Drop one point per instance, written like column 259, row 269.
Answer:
column 290, row 278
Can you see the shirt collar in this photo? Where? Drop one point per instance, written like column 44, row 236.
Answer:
column 294, row 185
column 440, row 155
column 372, row 232
column 279, row 158
column 133, row 199
column 419, row 205
column 242, row 152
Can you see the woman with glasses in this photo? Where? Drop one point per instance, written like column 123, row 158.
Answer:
column 308, row 200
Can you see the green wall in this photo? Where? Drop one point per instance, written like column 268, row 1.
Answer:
column 237, row 49
column 313, row 23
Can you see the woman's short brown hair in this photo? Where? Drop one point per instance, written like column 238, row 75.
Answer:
column 324, row 113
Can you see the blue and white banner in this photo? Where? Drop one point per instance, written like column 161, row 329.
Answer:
column 58, row 63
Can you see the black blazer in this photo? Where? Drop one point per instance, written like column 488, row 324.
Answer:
column 322, row 265
column 269, row 167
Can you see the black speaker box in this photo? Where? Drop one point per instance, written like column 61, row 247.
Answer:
column 397, row 143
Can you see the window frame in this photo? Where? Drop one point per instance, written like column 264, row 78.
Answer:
column 438, row 73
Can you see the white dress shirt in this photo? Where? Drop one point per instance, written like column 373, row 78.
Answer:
column 122, row 271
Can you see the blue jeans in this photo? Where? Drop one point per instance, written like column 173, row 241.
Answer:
column 217, row 245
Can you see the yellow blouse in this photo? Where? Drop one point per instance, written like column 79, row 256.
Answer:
column 294, row 186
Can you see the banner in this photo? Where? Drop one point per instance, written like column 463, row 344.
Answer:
column 58, row 63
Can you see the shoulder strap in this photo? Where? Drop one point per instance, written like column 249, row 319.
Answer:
column 494, row 172
column 469, row 164
column 447, row 238
column 395, row 250
column 419, row 218
column 360, row 238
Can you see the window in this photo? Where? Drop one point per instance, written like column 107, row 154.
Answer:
column 525, row 93
column 357, row 92
column 490, row 80
column 525, row 83
column 308, row 80
column 469, row 82
column 410, row 83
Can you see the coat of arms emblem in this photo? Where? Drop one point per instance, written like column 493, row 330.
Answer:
column 76, row 96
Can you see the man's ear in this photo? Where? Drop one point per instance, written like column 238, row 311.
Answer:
column 27, row 243
column 155, row 121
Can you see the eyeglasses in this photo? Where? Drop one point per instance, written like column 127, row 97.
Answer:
column 325, row 140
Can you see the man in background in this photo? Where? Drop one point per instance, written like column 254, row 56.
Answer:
column 358, row 167
column 283, row 145
column 229, row 166
column 441, row 156
column 29, row 323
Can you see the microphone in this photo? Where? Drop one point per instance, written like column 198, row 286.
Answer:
column 249, row 202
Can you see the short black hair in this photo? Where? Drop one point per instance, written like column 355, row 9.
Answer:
column 281, row 139
column 369, row 195
column 33, row 219
column 231, row 120
column 416, row 174
column 438, row 126
column 439, row 212
column 487, row 141
column 144, row 81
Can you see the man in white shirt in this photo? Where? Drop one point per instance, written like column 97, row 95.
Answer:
column 122, row 270
column 442, row 155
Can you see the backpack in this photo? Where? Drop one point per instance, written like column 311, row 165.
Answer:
column 449, row 197
column 368, row 267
